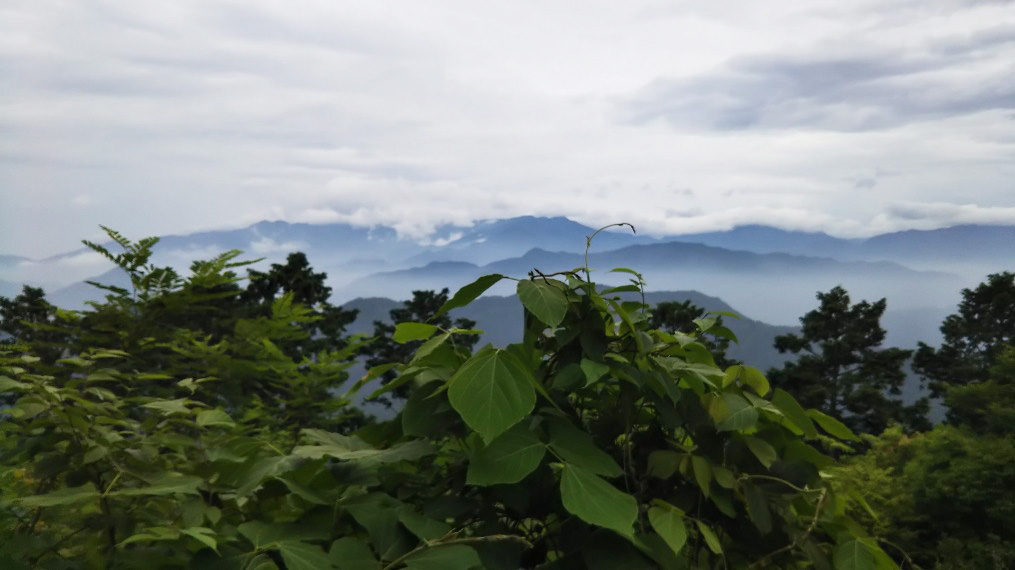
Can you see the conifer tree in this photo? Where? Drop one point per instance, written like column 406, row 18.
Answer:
column 974, row 337
column 843, row 371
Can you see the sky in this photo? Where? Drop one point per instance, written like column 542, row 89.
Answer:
column 854, row 118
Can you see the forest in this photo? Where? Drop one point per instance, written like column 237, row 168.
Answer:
column 209, row 420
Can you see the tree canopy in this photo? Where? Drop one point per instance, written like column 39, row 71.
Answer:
column 974, row 337
column 843, row 371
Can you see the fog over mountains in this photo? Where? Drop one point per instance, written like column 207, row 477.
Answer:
column 764, row 273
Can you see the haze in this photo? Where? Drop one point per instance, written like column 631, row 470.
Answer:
column 854, row 119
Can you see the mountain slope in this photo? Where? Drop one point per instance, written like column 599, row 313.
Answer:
column 776, row 287
column 766, row 239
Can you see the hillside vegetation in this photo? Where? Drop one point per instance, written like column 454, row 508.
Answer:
column 206, row 421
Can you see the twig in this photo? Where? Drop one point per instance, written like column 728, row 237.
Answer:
column 588, row 244
column 447, row 540
column 902, row 551
column 796, row 541
column 784, row 482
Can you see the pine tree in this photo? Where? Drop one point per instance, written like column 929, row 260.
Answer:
column 841, row 369
column 307, row 288
column 974, row 337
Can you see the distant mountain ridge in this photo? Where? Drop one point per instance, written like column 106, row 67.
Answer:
column 776, row 286
column 961, row 243
column 771, row 273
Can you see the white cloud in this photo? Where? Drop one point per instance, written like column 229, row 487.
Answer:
column 198, row 115
column 938, row 214
column 83, row 259
column 441, row 242
column 267, row 245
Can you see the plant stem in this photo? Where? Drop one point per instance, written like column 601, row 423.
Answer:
column 447, row 541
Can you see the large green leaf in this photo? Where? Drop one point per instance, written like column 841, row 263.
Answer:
column 577, row 448
column 204, row 535
column 379, row 514
column 663, row 463
column 351, row 448
column 426, row 412
column 253, row 474
column 833, row 426
column 702, row 472
column 492, row 391
column 424, row 527
column 259, row 562
column 794, row 412
column 164, row 484
column 711, row 539
column 65, row 496
column 747, row 376
column 733, row 412
column 595, row 501
column 757, row 507
column 216, row 417
column 9, row 384
column 334, row 443
column 469, row 293
column 408, row 332
column 668, row 522
column 544, row 300
column 593, row 370
column 452, row 557
column 761, row 449
column 153, row 534
column 853, row 554
column 167, row 407
column 428, row 347
column 303, row 556
column 348, row 553
column 508, row 459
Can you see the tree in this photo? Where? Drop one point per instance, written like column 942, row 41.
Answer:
column 298, row 279
column 204, row 325
column 686, row 318
column 974, row 337
column 422, row 308
column 942, row 498
column 28, row 318
column 841, row 370
column 987, row 407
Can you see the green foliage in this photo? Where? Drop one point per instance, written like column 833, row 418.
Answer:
column 942, row 498
column 841, row 370
column 973, row 338
column 987, row 407
column 687, row 318
column 425, row 309
column 298, row 279
column 186, row 426
column 597, row 423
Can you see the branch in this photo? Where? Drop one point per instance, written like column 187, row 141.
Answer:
column 448, row 540
column 796, row 541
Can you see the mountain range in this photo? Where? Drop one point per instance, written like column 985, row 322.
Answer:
column 768, row 273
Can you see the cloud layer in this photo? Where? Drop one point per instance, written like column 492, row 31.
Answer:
column 852, row 118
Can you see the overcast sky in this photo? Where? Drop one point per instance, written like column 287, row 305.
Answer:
column 854, row 117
